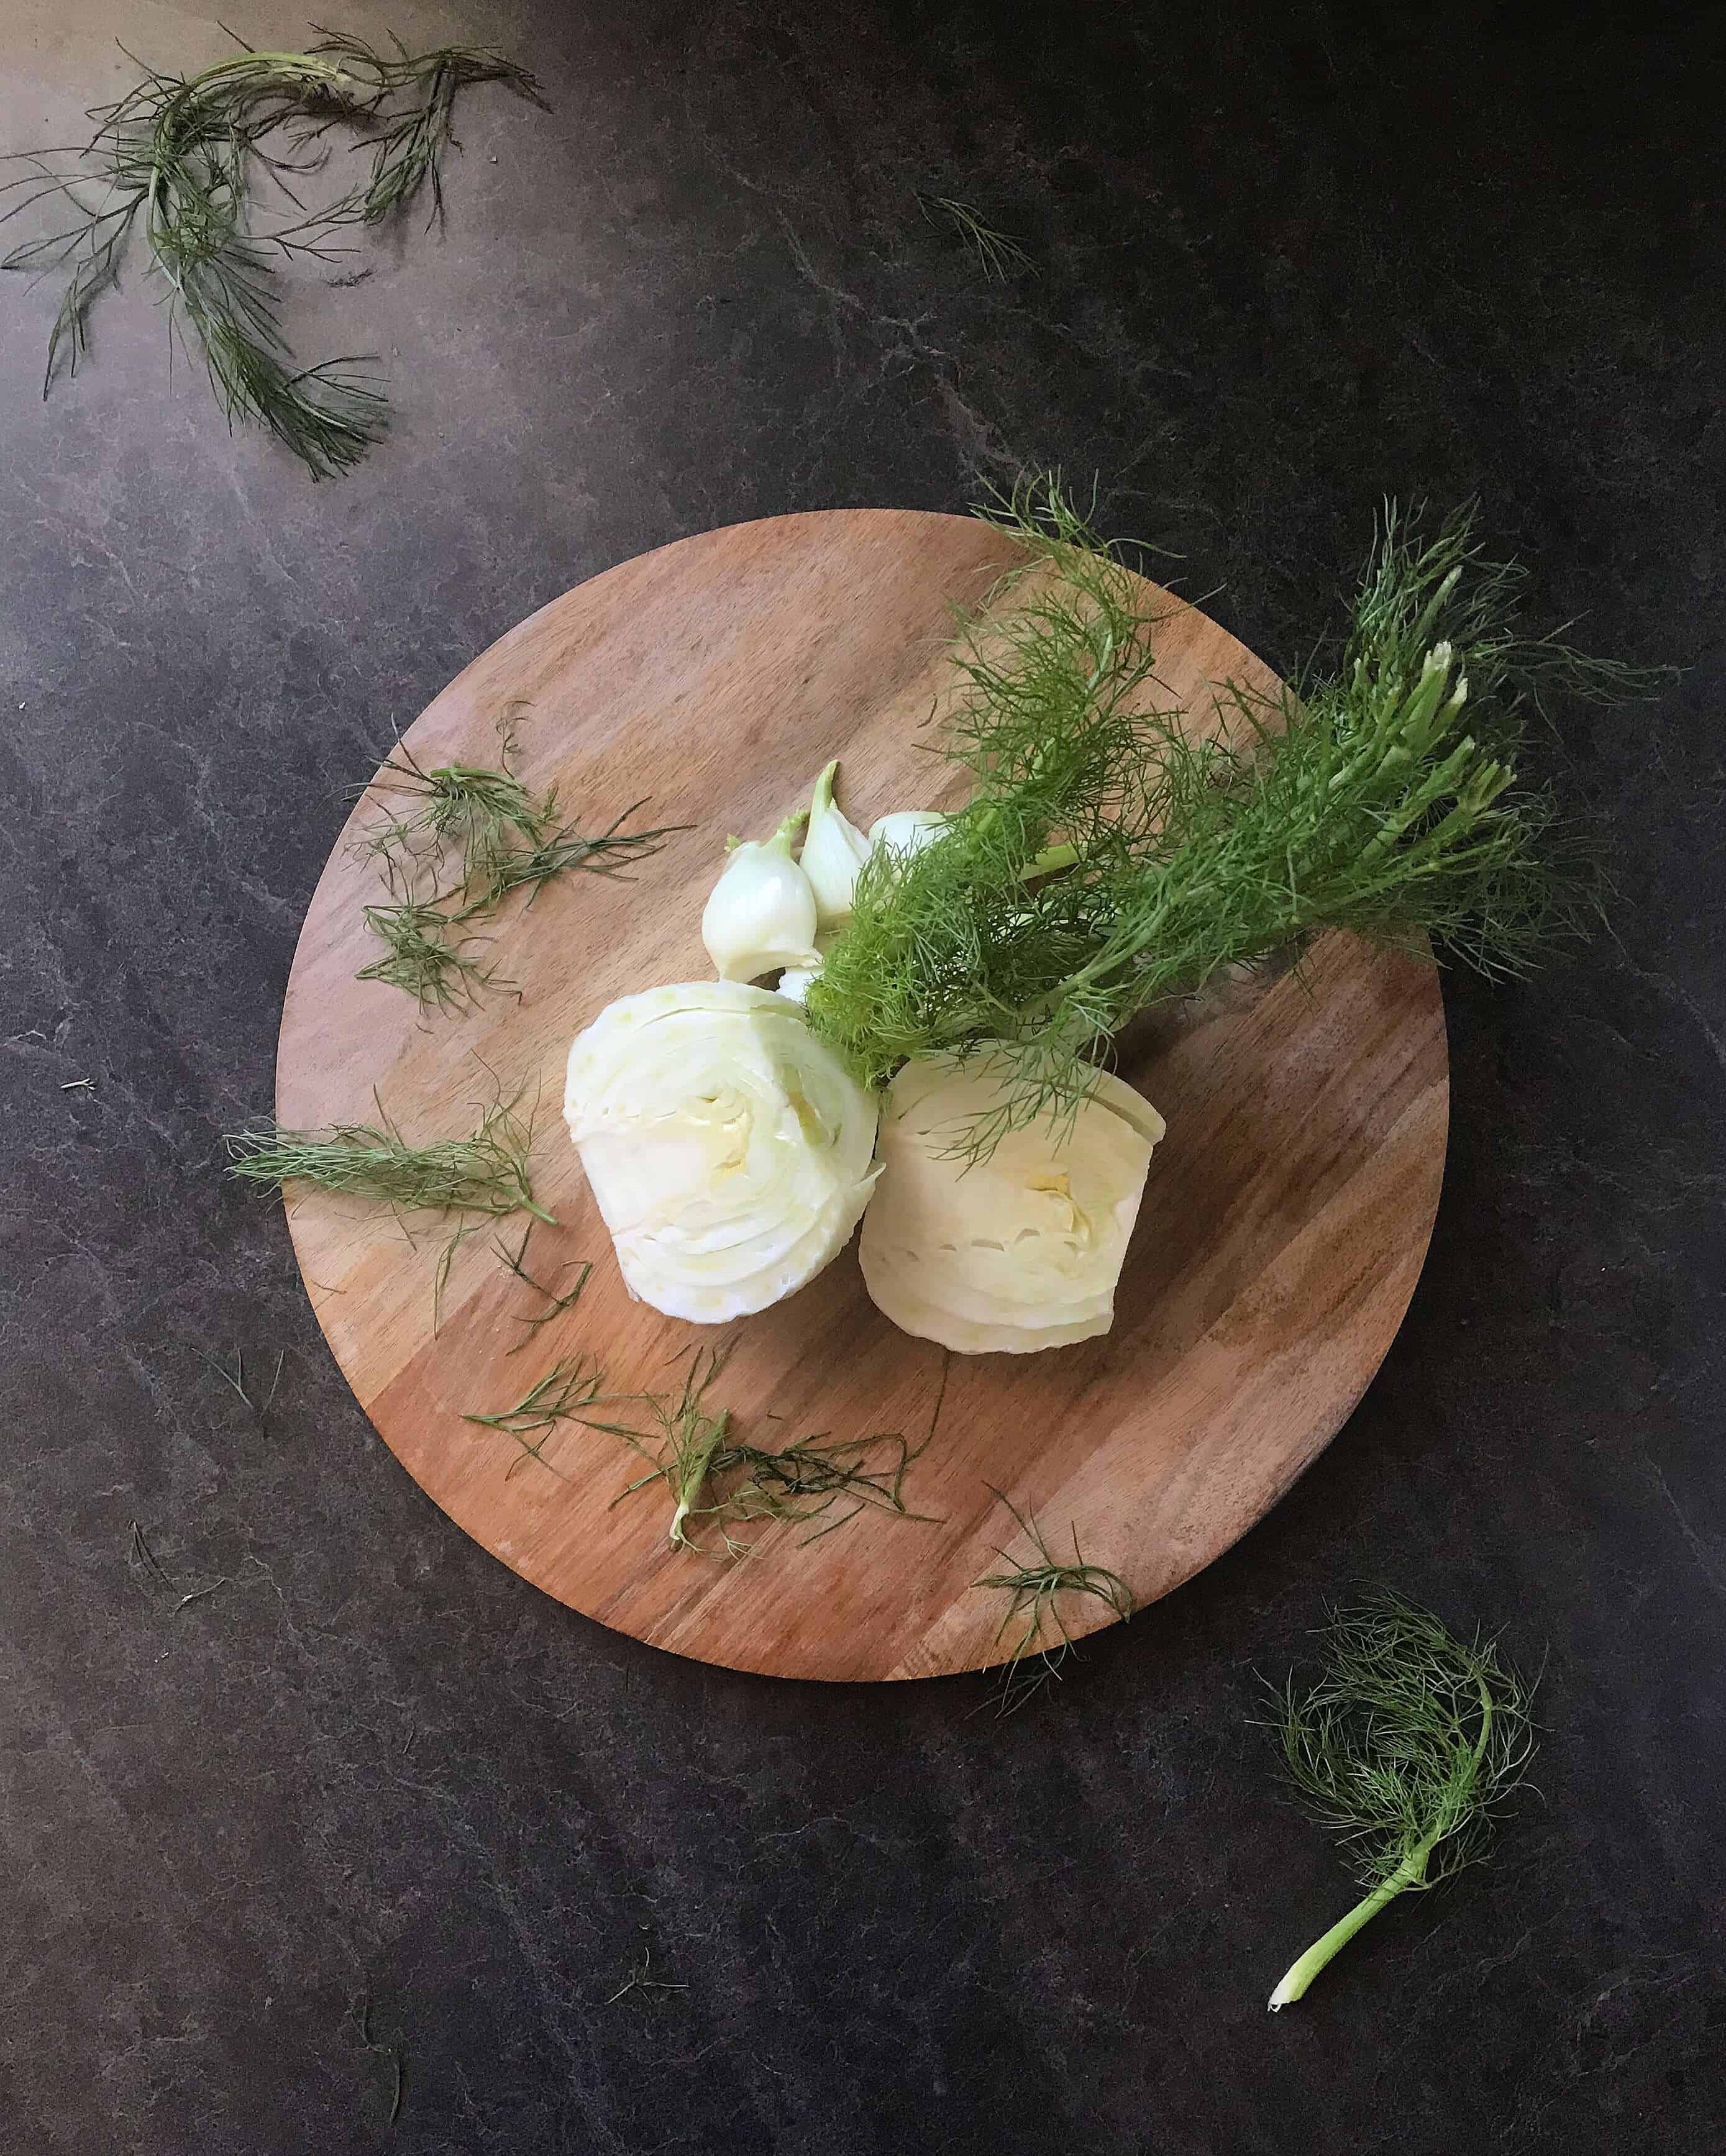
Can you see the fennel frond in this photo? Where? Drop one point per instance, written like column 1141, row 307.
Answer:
column 1034, row 1587
column 999, row 255
column 181, row 155
column 484, row 1173
column 556, row 1305
column 722, row 1482
column 467, row 836
column 1107, row 862
column 1405, row 1747
column 568, row 1389
column 422, row 956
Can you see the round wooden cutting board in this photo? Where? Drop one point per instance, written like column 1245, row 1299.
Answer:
column 1282, row 1229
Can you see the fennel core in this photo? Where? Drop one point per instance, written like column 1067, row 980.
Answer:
column 183, row 153
column 1405, row 1747
column 1107, row 862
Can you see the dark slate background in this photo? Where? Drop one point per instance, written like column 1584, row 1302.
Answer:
column 374, row 1798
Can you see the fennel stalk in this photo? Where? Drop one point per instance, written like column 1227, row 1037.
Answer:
column 1407, row 1748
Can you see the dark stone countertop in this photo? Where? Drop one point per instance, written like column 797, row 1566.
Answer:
column 1287, row 259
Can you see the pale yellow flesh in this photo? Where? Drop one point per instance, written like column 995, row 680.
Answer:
column 1021, row 1251
column 728, row 1152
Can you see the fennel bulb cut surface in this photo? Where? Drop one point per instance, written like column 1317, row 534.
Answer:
column 728, row 1151
column 1016, row 1252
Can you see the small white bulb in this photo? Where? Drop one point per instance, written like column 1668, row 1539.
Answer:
column 761, row 914
column 834, row 852
column 908, row 831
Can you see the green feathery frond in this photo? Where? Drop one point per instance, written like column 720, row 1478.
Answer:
column 181, row 156
column 1406, row 1749
column 1107, row 861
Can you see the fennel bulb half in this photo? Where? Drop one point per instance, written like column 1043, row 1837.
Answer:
column 1015, row 1252
column 730, row 1153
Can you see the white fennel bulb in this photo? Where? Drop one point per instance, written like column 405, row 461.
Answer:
column 908, row 831
column 1021, row 1250
column 834, row 852
column 729, row 1151
column 761, row 914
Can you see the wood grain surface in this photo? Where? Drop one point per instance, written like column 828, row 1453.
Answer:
column 1282, row 1230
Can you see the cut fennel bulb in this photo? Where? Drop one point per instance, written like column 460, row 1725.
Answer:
column 1015, row 1252
column 729, row 1152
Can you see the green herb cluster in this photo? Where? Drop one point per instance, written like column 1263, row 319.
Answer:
column 1106, row 861
column 717, row 1482
column 1405, row 1747
column 1034, row 1587
column 182, row 155
column 484, row 1173
column 470, row 836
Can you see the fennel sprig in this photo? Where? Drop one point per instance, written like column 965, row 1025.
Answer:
column 568, row 1390
column 486, row 1173
column 425, row 954
column 1407, row 1748
column 181, row 155
column 999, row 255
column 467, row 838
column 1384, row 798
column 556, row 1306
column 721, row 1482
column 1034, row 1586
column 681, row 1447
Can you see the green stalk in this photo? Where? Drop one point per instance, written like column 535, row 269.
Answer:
column 692, row 1474
column 1411, row 1873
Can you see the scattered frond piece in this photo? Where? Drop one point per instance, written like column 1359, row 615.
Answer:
column 470, row 835
column 481, row 813
column 148, row 1568
column 1406, row 1749
column 681, row 1447
column 806, row 1481
column 603, row 853
column 999, row 255
column 1034, row 1587
column 720, row 1482
column 1106, row 862
column 392, row 2052
column 235, row 1380
column 556, row 1305
column 566, row 1393
column 179, row 155
column 486, row 1173
column 422, row 958
column 640, row 1979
